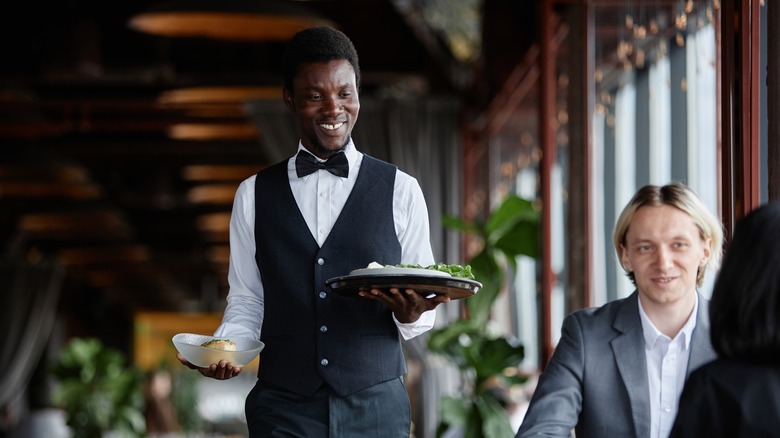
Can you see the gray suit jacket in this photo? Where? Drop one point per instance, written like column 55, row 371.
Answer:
column 596, row 381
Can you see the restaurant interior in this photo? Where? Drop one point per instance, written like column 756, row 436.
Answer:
column 126, row 127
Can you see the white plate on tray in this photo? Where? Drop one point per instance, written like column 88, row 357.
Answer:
column 381, row 272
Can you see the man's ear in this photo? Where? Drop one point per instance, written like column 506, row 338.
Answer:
column 625, row 261
column 288, row 99
column 707, row 252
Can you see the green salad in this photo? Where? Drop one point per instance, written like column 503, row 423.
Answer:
column 454, row 270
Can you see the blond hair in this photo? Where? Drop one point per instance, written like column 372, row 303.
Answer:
column 681, row 197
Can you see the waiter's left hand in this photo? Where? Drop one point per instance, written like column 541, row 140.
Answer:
column 407, row 305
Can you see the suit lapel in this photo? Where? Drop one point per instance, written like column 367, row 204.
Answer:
column 701, row 345
column 630, row 357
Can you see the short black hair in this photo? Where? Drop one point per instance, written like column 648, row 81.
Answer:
column 317, row 44
column 745, row 304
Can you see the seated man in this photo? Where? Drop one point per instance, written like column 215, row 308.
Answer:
column 618, row 370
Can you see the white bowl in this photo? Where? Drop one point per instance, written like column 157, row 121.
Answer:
column 189, row 345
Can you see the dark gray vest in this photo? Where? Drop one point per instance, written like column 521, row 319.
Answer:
column 311, row 335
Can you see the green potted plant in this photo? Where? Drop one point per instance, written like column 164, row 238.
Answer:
column 100, row 395
column 488, row 362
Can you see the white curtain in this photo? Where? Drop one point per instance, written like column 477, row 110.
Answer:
column 660, row 129
column 30, row 292
column 625, row 163
column 702, row 118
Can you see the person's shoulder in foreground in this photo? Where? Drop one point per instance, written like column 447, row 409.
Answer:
column 730, row 399
column 596, row 381
column 738, row 395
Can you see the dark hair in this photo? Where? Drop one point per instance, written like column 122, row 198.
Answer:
column 317, row 44
column 745, row 305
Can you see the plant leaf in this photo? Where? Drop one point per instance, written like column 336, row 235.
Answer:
column 453, row 411
column 495, row 420
column 495, row 356
column 458, row 224
column 481, row 304
column 521, row 239
column 447, row 341
column 510, row 211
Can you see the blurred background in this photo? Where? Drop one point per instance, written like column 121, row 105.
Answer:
column 126, row 126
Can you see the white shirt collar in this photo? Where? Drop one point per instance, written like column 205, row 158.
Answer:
column 651, row 333
column 349, row 151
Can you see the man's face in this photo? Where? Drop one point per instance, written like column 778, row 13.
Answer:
column 664, row 250
column 325, row 100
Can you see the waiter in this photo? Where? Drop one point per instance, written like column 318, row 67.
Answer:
column 332, row 366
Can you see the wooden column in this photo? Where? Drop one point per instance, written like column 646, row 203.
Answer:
column 547, row 142
column 773, row 98
column 580, row 101
column 740, row 109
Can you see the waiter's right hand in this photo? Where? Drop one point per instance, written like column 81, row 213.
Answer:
column 222, row 370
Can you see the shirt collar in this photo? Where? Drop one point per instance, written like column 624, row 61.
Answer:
column 651, row 333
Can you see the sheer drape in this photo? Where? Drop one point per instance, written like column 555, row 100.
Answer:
column 422, row 137
column 30, row 293
column 278, row 129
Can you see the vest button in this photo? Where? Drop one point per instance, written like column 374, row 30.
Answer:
column 324, row 362
column 323, row 294
column 320, row 261
column 323, row 328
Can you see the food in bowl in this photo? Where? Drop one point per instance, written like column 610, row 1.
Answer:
column 190, row 346
column 220, row 344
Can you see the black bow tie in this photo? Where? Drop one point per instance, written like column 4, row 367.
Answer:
column 306, row 164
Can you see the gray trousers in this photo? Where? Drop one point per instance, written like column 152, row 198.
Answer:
column 380, row 411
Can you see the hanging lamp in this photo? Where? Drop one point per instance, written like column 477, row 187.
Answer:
column 232, row 20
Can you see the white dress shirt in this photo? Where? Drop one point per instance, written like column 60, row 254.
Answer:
column 320, row 197
column 667, row 363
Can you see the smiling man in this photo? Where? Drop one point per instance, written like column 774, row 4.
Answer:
column 331, row 365
column 619, row 370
